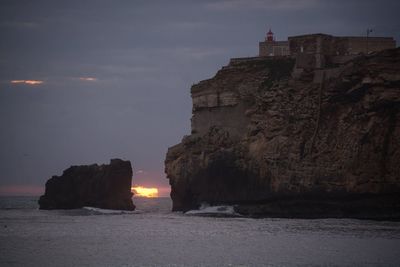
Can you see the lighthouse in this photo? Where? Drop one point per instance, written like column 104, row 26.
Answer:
column 272, row 48
column 270, row 36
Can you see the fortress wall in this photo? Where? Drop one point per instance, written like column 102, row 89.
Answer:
column 238, row 60
column 337, row 46
column 280, row 50
column 321, row 50
column 276, row 48
column 310, row 50
column 358, row 45
column 264, row 49
column 306, row 44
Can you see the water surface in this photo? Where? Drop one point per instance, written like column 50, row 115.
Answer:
column 154, row 236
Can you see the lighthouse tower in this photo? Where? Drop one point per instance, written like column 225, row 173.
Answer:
column 271, row 48
column 270, row 36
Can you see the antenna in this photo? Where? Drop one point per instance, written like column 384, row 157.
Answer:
column 368, row 32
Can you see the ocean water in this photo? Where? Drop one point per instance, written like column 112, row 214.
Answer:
column 154, row 236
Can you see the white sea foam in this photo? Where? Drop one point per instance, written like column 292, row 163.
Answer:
column 207, row 210
column 106, row 211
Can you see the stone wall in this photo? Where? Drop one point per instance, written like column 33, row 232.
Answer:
column 310, row 44
column 337, row 46
column 321, row 50
column 358, row 45
column 274, row 48
column 311, row 51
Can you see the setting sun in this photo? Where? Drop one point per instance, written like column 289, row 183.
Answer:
column 141, row 191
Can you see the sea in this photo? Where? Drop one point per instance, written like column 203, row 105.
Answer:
column 154, row 236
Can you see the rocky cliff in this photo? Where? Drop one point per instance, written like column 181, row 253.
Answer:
column 100, row 186
column 279, row 141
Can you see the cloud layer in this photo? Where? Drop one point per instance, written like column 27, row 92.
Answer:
column 94, row 80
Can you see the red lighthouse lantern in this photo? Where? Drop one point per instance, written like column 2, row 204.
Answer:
column 270, row 36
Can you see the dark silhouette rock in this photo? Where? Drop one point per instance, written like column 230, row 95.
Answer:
column 100, row 186
column 302, row 143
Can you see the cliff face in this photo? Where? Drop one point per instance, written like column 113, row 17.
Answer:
column 277, row 142
column 101, row 186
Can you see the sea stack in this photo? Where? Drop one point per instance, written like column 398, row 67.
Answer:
column 100, row 186
column 311, row 134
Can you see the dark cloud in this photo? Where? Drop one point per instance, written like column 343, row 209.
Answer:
column 144, row 56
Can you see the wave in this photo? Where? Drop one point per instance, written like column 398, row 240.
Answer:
column 214, row 211
column 95, row 211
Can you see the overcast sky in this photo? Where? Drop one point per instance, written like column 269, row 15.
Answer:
column 113, row 77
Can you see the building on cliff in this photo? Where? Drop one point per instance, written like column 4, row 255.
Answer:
column 275, row 144
column 319, row 50
column 323, row 50
column 270, row 47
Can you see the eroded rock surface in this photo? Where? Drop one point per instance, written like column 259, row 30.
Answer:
column 276, row 142
column 100, row 186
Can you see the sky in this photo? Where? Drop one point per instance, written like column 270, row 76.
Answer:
column 82, row 82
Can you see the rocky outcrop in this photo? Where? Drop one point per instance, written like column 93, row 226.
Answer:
column 294, row 143
column 100, row 186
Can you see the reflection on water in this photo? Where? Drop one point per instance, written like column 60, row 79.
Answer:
column 156, row 205
column 143, row 204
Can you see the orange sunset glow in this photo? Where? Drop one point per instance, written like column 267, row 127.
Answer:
column 141, row 191
column 30, row 82
column 88, row 79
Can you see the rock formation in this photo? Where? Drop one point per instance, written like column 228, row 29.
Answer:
column 104, row 186
column 279, row 141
